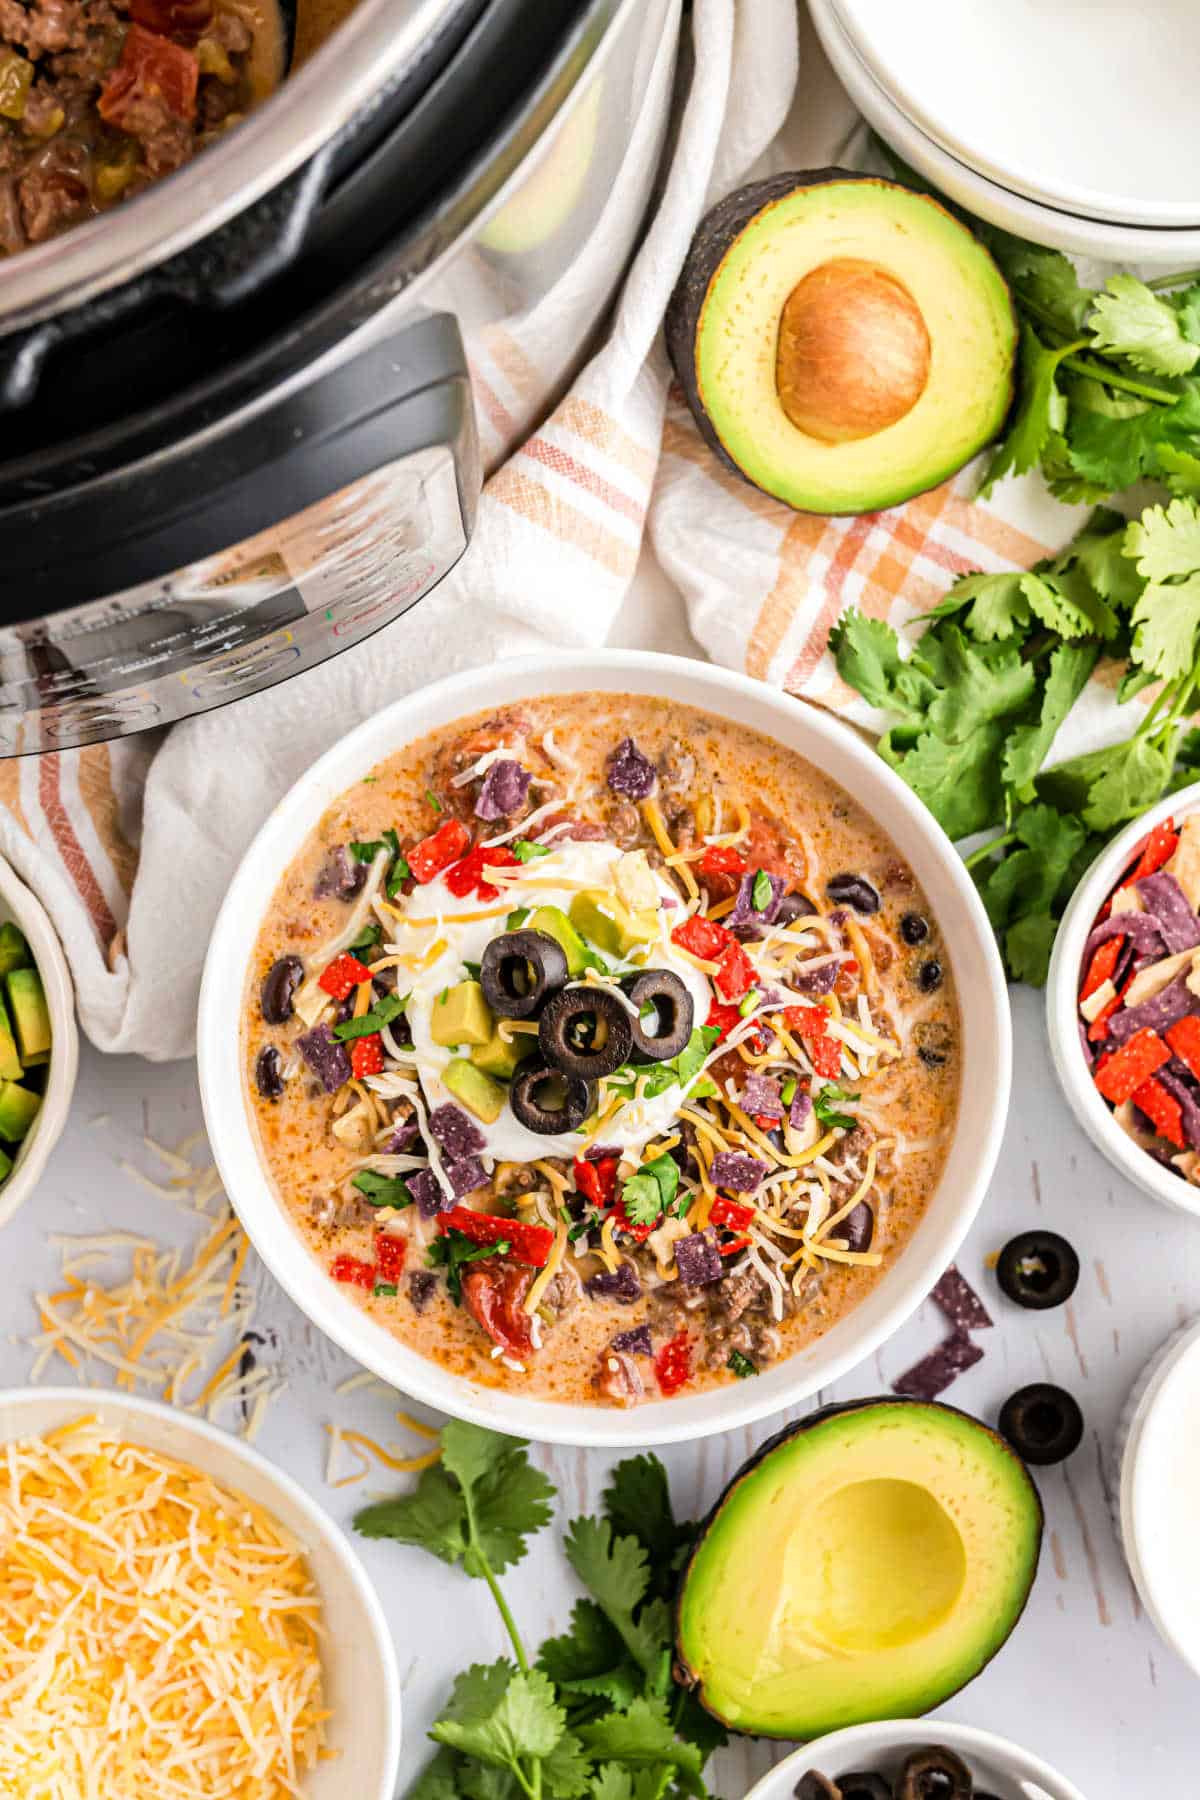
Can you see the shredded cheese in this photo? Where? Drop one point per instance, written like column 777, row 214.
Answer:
column 544, row 1277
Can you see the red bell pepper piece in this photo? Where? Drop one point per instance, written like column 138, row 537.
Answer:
column 826, row 1056
column 366, row 1056
column 809, row 1021
column 596, row 1181
column 673, row 1363
column 1162, row 1109
column 493, row 1293
column 723, row 1017
column 390, row 1252
column 151, row 67
column 731, row 1213
column 722, row 859
column 1101, row 966
column 1184, row 1039
column 530, row 1244
column 702, row 937
column 352, row 1269
column 469, row 875
column 734, row 1244
column 1120, row 1075
column 436, row 852
column 736, row 975
column 343, row 975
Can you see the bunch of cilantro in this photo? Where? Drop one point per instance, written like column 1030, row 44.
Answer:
column 596, row 1713
column 978, row 705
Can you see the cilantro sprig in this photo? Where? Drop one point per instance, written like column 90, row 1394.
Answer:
column 975, row 711
column 596, row 1714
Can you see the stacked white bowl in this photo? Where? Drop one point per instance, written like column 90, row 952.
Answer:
column 1070, row 123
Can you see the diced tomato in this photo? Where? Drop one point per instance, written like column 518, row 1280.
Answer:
column 352, row 1269
column 733, row 1245
column 673, row 1363
column 1162, row 1109
column 723, row 1017
column 1184, row 1039
column 766, row 1121
column 1101, row 966
column 493, row 1293
column 809, row 1021
column 826, row 1056
column 596, row 1181
column 736, row 975
column 1119, row 1076
column 722, row 859
column 389, row 1255
column 530, row 1244
column 343, row 975
column 433, row 854
column 469, row 875
column 702, row 937
column 366, row 1055
column 182, row 20
column 731, row 1213
column 150, row 65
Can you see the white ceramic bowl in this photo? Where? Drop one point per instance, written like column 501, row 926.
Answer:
column 994, row 1761
column 362, row 1682
column 1108, row 242
column 1062, row 989
column 24, row 909
column 831, row 746
column 1156, row 1431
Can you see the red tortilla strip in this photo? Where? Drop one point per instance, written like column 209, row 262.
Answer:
column 1135, row 1062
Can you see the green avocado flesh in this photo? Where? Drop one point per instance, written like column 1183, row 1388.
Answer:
column 940, row 344
column 865, row 1566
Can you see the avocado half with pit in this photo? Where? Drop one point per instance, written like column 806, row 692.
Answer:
column 843, row 342
column 865, row 1564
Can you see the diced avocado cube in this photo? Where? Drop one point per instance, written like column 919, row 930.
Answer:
column 461, row 1015
column 477, row 1091
column 18, row 1110
column 30, row 1015
column 14, row 951
column 6, row 1165
column 608, row 923
column 10, row 1062
column 500, row 1056
column 555, row 923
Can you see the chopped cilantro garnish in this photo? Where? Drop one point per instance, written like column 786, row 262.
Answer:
column 677, row 1071
column 524, row 851
column 386, row 1290
column 581, row 1226
column 398, row 874
column 453, row 1251
column 761, row 891
column 387, row 1009
column 367, row 852
column 741, row 1365
column 474, row 970
column 516, row 918
column 370, row 934
column 382, row 1190
column 433, row 800
column 649, row 1193
column 825, row 1107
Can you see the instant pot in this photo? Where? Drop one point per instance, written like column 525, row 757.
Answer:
column 237, row 429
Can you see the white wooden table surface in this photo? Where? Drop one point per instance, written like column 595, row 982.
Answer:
column 1084, row 1680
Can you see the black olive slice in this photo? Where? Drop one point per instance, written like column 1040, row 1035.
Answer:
column 815, row 1786
column 864, row 1786
column 279, row 985
column 520, row 969
column 663, row 1026
column 854, row 891
column 268, row 1078
column 585, row 1032
column 1042, row 1422
column 934, row 1773
column 1038, row 1269
column 546, row 1100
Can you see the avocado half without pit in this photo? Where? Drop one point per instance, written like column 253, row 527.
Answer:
column 520, row 969
column 843, row 342
column 867, row 1563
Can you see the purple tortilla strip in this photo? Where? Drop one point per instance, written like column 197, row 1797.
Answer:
column 465, row 1174
column 634, row 1343
column 340, row 877
column 1171, row 1078
column 455, row 1132
column 800, row 1109
column 940, row 1369
column 1140, row 928
column 631, row 774
column 1166, row 902
column 1085, row 1043
column 761, row 1095
column 747, row 920
column 736, row 1170
column 960, row 1303
column 620, row 1284
column 429, row 1194
column 403, row 1138
column 421, row 1284
column 815, row 982
column 326, row 1057
column 698, row 1259
column 504, row 789
column 1174, row 1002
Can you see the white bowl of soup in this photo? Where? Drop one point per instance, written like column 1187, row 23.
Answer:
column 607, row 1049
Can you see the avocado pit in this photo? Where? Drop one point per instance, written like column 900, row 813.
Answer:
column 853, row 354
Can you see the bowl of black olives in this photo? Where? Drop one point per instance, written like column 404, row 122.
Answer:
column 918, row 1759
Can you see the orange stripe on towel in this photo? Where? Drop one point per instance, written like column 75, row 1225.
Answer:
column 534, row 503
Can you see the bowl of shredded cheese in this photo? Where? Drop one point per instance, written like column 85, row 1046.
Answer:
column 180, row 1618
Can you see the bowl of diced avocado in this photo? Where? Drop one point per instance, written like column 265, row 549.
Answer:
column 39, row 1047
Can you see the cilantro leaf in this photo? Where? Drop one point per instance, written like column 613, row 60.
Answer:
column 648, row 1194
column 1168, row 621
column 381, row 1190
column 979, row 683
column 1029, row 745
column 761, row 892
column 867, row 653
column 501, row 1716
column 1165, row 542
column 1128, row 782
column 637, row 1503
column 567, row 1771
column 590, row 1647
column 367, row 852
column 1029, row 877
column 1112, row 452
column 1069, row 607
column 998, row 607
column 438, row 1780
column 677, row 1071
column 525, row 851
column 825, row 1107
column 616, row 1572
column 1027, row 946
column 1129, row 320
column 640, row 1736
column 741, row 1365
column 433, row 1517
column 453, row 1250
column 612, row 1783
column 1043, row 281
column 959, row 782
column 1041, row 408
column 368, row 936
column 387, row 1009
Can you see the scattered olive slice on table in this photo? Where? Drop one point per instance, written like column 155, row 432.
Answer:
column 854, row 891
column 586, row 1032
column 279, row 986
column 864, row 1786
column 1038, row 1269
column 934, row 1773
column 268, row 1078
column 546, row 1100
column 519, row 972
column 663, row 1026
column 1042, row 1422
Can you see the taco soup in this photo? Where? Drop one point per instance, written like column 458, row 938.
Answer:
column 601, row 1048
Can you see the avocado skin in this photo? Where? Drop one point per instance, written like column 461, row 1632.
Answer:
column 717, row 230
column 682, row 1671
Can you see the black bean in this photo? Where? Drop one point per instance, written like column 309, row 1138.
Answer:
column 855, row 891
column 914, row 928
column 267, row 1076
column 929, row 975
column 279, row 985
column 934, row 1041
